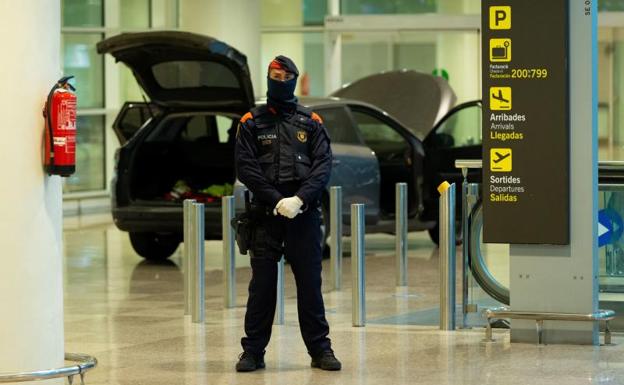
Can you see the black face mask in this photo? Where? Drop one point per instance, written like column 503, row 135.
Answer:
column 282, row 94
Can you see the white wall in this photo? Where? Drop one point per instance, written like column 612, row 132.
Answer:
column 31, row 291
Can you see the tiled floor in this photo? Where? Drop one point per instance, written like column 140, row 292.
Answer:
column 129, row 314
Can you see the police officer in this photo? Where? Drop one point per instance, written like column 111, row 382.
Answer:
column 284, row 158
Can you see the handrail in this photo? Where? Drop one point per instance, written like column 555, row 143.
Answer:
column 539, row 317
column 84, row 364
column 502, row 312
column 468, row 163
column 478, row 163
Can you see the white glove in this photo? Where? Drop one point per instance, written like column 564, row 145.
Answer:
column 289, row 207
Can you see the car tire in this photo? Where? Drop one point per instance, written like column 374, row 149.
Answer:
column 434, row 234
column 153, row 246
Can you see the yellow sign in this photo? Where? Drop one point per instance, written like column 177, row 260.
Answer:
column 500, row 17
column 500, row 50
column 500, row 159
column 500, row 98
column 302, row 136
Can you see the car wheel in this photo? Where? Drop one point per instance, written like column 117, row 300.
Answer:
column 153, row 246
column 434, row 234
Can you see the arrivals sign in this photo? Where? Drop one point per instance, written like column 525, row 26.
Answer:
column 526, row 150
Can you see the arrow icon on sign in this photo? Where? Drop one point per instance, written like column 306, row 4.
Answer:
column 610, row 227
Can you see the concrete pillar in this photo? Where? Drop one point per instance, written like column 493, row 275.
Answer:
column 565, row 278
column 31, row 281
column 281, row 14
column 236, row 22
column 459, row 52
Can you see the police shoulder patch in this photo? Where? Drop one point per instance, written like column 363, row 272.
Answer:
column 316, row 117
column 246, row 117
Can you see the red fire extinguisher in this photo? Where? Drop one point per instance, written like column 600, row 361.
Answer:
column 60, row 133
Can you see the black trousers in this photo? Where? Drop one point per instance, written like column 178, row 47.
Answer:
column 302, row 249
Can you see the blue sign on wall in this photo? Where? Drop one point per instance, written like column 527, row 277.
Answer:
column 610, row 227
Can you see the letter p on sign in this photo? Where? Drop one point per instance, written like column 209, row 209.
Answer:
column 500, row 17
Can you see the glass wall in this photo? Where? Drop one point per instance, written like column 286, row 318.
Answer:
column 80, row 60
column 84, row 23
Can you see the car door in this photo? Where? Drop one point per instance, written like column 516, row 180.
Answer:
column 399, row 153
column 183, row 69
column 456, row 136
column 355, row 166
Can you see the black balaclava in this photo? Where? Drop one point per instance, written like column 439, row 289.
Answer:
column 281, row 95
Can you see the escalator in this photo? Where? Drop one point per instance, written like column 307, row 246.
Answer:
column 489, row 263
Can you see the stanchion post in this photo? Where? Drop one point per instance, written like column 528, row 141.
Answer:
column 279, row 311
column 187, row 256
column 199, row 292
column 401, row 234
column 335, row 248
column 229, row 253
column 465, row 248
column 447, row 256
column 358, row 267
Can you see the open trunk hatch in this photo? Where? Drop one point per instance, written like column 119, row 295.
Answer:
column 185, row 69
column 417, row 100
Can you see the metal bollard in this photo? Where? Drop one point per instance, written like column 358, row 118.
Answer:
column 358, row 266
column 229, row 253
column 186, row 257
column 335, row 224
column 198, row 265
column 279, row 311
column 401, row 234
column 447, row 256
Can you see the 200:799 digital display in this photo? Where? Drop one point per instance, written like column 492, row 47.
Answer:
column 534, row 73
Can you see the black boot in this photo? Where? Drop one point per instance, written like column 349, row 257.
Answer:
column 248, row 362
column 326, row 361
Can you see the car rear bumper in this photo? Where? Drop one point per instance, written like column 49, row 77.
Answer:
column 163, row 219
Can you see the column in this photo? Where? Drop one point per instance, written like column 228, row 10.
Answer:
column 236, row 22
column 565, row 278
column 31, row 281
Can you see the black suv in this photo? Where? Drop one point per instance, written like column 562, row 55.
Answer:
column 182, row 141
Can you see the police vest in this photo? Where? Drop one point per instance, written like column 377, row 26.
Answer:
column 282, row 142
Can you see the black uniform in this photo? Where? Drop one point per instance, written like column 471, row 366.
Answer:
column 280, row 154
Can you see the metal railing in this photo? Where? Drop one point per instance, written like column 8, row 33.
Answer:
column 358, row 266
column 447, row 256
column 401, row 233
column 335, row 226
column 279, row 311
column 186, row 258
column 195, row 265
column 540, row 317
column 229, row 252
column 84, row 364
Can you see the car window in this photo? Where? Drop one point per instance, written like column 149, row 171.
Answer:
column 131, row 119
column 207, row 128
column 339, row 125
column 389, row 146
column 461, row 129
column 190, row 74
column 374, row 130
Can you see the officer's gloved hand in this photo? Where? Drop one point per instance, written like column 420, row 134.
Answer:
column 289, row 207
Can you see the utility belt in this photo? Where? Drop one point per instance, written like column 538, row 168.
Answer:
column 258, row 231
